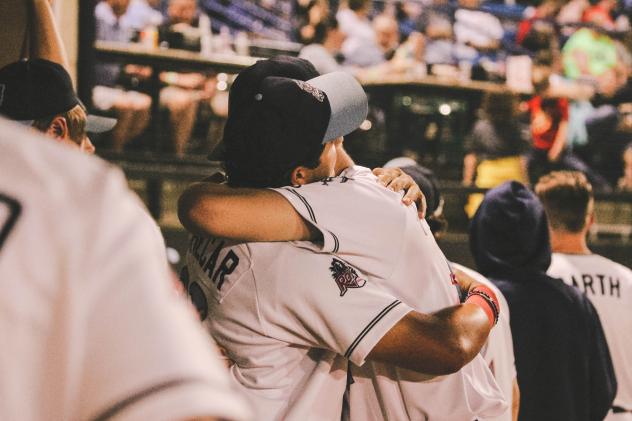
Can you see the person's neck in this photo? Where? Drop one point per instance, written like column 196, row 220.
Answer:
column 569, row 242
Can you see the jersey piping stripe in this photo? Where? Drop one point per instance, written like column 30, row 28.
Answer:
column 336, row 242
column 131, row 400
column 370, row 326
column 307, row 205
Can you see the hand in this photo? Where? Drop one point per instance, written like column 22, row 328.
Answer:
column 466, row 282
column 553, row 156
column 217, row 178
column 397, row 180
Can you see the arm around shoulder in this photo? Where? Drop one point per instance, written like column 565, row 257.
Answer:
column 241, row 214
column 439, row 343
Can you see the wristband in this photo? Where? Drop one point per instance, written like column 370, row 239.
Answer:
column 486, row 299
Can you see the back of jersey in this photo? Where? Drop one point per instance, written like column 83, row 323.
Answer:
column 368, row 226
column 90, row 327
column 608, row 285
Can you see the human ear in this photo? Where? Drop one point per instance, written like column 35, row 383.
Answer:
column 299, row 176
column 58, row 128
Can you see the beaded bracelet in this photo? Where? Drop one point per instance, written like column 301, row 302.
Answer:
column 489, row 299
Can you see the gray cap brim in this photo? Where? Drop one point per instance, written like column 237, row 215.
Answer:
column 348, row 102
column 98, row 124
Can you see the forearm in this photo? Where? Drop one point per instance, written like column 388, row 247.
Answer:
column 45, row 40
column 216, row 210
column 559, row 142
column 515, row 401
column 469, row 168
column 439, row 343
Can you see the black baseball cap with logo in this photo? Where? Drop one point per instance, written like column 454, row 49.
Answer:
column 38, row 88
column 282, row 112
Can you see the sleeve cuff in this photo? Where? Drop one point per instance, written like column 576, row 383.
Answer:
column 375, row 330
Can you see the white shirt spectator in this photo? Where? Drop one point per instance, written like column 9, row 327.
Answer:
column 141, row 15
column 321, row 58
column 360, row 48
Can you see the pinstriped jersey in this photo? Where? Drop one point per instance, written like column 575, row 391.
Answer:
column 290, row 318
column 368, row 226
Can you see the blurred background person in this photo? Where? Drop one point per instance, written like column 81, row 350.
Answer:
column 325, row 47
column 360, row 47
column 478, row 34
column 131, row 107
column 496, row 148
column 436, row 23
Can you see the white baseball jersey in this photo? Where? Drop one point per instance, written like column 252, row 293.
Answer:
column 90, row 327
column 286, row 316
column 609, row 287
column 498, row 352
column 369, row 227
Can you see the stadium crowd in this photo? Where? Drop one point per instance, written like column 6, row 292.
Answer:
column 320, row 281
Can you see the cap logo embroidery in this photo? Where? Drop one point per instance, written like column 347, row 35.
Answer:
column 345, row 276
column 2, row 88
column 316, row 93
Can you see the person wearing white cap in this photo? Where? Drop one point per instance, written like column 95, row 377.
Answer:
column 304, row 321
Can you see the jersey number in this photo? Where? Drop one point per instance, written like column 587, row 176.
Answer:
column 9, row 212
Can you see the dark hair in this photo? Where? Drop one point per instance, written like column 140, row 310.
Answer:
column 257, row 154
column 566, row 196
column 75, row 119
column 500, row 107
column 356, row 5
column 322, row 29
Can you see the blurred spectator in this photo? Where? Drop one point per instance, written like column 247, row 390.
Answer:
column 625, row 182
column 436, row 23
column 549, row 129
column 592, row 55
column 360, row 48
column 537, row 32
column 562, row 358
column 308, row 15
column 600, row 14
column 407, row 14
column 478, row 34
column 327, row 42
column 132, row 108
column 143, row 14
column 184, row 91
column 386, row 34
column 495, row 149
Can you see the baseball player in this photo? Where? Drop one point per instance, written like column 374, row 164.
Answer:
column 89, row 325
column 395, row 260
column 498, row 351
column 568, row 201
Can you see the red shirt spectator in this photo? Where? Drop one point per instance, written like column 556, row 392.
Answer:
column 546, row 116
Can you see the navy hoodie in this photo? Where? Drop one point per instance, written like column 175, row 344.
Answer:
column 562, row 358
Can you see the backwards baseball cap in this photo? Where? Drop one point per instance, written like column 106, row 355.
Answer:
column 280, row 114
column 38, row 88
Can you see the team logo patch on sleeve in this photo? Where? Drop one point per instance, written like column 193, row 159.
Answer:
column 345, row 276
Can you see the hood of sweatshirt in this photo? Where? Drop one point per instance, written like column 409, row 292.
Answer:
column 509, row 233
